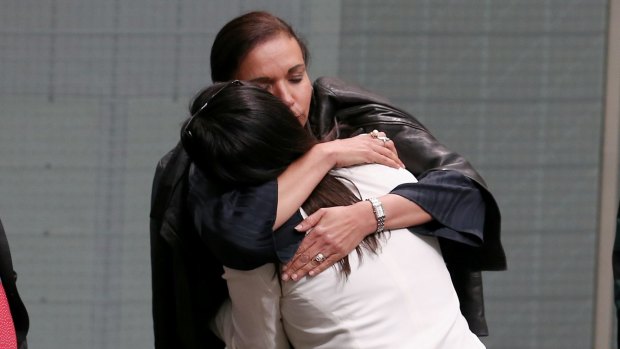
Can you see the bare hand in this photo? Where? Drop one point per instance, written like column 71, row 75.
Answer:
column 363, row 149
column 333, row 232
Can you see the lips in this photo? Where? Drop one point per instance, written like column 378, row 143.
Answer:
column 301, row 117
column 297, row 113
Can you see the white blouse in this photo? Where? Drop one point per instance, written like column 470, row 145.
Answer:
column 402, row 297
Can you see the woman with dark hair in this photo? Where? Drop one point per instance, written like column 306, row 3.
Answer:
column 450, row 201
column 394, row 292
column 262, row 48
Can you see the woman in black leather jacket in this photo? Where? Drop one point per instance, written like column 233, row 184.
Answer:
column 187, row 288
column 393, row 292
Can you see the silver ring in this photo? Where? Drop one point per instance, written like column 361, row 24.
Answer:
column 383, row 139
column 374, row 134
column 319, row 258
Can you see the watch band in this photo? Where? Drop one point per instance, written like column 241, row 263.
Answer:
column 377, row 209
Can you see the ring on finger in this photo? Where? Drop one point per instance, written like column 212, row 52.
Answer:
column 383, row 139
column 304, row 258
column 319, row 258
column 374, row 134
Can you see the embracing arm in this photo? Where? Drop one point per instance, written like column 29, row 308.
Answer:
column 350, row 110
column 238, row 224
column 342, row 228
column 444, row 204
column 299, row 180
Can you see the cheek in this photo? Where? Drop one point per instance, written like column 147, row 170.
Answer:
column 304, row 98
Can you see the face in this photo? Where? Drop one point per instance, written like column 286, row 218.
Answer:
column 278, row 66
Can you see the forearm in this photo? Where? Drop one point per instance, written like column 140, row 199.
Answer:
column 401, row 212
column 302, row 176
column 298, row 181
column 241, row 221
column 239, row 224
column 455, row 203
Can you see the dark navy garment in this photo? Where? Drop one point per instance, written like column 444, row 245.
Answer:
column 242, row 237
column 454, row 202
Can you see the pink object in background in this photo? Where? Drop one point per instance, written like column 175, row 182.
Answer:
column 8, row 339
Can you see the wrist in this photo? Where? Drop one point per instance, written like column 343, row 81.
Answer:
column 325, row 154
column 378, row 213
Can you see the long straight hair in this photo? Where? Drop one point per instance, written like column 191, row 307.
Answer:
column 241, row 135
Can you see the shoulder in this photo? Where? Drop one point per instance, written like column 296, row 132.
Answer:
column 350, row 92
column 171, row 169
column 342, row 105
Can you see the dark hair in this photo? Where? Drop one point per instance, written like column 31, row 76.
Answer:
column 239, row 36
column 240, row 134
column 242, row 137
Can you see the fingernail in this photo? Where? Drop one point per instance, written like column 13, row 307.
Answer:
column 298, row 227
column 294, row 277
column 284, row 277
column 311, row 273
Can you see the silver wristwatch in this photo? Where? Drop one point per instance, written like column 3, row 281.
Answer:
column 377, row 209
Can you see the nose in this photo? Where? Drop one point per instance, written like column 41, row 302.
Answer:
column 282, row 91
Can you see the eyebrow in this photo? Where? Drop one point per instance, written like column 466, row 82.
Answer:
column 295, row 69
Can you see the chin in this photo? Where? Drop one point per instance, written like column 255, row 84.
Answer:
column 303, row 120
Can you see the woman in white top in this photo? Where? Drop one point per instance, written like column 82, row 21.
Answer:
column 394, row 292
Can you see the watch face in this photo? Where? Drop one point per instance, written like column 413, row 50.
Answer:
column 377, row 207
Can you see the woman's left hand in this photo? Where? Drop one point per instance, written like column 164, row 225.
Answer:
column 331, row 234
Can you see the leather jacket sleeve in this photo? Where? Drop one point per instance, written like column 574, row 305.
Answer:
column 187, row 288
column 341, row 110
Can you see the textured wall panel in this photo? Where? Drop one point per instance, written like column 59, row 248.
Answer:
column 517, row 88
column 93, row 92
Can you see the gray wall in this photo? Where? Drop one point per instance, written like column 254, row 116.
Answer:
column 92, row 94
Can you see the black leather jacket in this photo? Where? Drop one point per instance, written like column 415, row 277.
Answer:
column 341, row 110
column 187, row 284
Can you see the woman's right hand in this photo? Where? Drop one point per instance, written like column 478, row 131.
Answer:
column 296, row 183
column 362, row 149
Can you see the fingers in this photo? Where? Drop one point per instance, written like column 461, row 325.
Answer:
column 364, row 149
column 376, row 134
column 320, row 267
column 388, row 144
column 313, row 255
column 302, row 257
column 381, row 137
column 314, row 267
column 336, row 234
column 387, row 156
column 310, row 222
column 311, row 260
column 392, row 148
column 306, row 265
